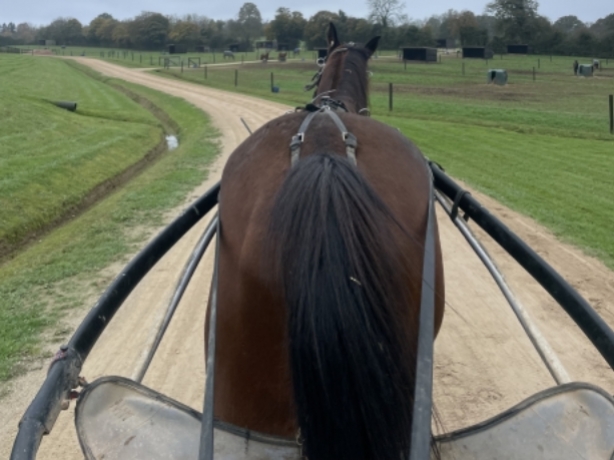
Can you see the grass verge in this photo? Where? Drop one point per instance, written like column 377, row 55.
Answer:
column 53, row 160
column 53, row 277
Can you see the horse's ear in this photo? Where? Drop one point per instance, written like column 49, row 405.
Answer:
column 333, row 41
column 372, row 45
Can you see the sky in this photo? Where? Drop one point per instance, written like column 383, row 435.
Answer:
column 40, row 12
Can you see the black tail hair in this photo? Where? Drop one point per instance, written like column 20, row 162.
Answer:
column 351, row 358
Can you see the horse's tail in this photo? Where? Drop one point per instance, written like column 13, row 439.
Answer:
column 332, row 242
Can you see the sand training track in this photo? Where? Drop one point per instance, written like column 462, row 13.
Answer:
column 483, row 364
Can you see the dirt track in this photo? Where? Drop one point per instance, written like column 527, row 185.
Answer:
column 484, row 363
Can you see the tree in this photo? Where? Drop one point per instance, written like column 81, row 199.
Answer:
column 466, row 27
column 447, row 27
column 606, row 44
column 73, row 32
column 149, row 30
column 515, row 18
column 185, row 32
column 315, row 29
column 25, row 32
column 569, row 24
column 106, row 30
column 101, row 26
column 412, row 35
column 386, row 13
column 249, row 21
column 488, row 23
column 434, row 22
column 63, row 31
column 584, row 44
column 358, row 30
column 603, row 26
column 121, row 34
column 287, row 27
column 212, row 33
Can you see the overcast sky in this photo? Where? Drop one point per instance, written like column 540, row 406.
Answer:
column 40, row 12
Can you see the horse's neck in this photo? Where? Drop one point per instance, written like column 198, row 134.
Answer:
column 347, row 95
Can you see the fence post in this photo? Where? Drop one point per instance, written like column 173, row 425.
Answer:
column 272, row 81
column 611, row 114
column 236, row 77
column 390, row 96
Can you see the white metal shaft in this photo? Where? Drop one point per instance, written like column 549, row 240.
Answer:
column 545, row 351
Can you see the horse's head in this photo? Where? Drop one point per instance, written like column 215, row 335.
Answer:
column 343, row 74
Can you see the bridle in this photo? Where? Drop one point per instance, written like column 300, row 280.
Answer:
column 315, row 80
column 325, row 99
column 328, row 106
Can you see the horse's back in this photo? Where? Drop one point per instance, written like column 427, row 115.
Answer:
column 257, row 389
column 383, row 153
column 392, row 165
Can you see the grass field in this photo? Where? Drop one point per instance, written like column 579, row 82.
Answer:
column 541, row 147
column 52, row 158
column 145, row 59
column 43, row 283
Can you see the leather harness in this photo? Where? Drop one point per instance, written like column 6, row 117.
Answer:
column 348, row 138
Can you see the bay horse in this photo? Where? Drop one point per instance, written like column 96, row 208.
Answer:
column 264, row 57
column 320, row 272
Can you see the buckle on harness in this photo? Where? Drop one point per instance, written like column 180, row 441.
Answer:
column 349, row 139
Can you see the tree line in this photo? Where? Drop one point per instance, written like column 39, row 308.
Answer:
column 503, row 22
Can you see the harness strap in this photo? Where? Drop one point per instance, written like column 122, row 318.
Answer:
column 457, row 199
column 423, row 392
column 298, row 138
column 205, row 451
column 351, row 142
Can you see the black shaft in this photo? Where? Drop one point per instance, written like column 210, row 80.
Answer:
column 593, row 326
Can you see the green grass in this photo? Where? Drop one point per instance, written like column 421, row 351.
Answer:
column 541, row 147
column 42, row 284
column 146, row 59
column 566, row 184
column 51, row 158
